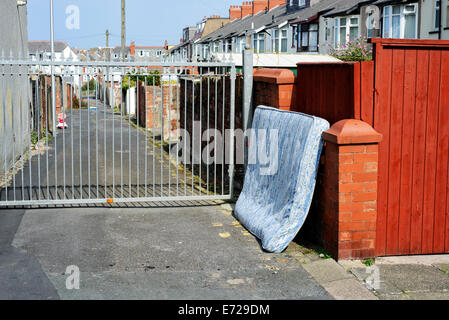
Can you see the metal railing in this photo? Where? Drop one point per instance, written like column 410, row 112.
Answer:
column 123, row 132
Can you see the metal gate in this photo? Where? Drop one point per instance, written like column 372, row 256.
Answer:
column 116, row 132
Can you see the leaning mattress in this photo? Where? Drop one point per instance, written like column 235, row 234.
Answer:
column 280, row 176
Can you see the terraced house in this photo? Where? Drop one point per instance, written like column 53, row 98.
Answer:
column 314, row 26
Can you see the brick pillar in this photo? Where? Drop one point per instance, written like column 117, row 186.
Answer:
column 275, row 88
column 350, row 190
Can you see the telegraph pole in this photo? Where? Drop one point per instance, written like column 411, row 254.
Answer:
column 107, row 38
column 123, row 30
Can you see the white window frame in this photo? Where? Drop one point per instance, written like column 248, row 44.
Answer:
column 239, row 44
column 277, row 39
column 402, row 20
column 347, row 27
column 436, row 14
column 257, row 38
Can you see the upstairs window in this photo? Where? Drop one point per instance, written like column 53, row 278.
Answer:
column 400, row 21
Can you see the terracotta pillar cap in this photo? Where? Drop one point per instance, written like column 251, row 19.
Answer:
column 351, row 131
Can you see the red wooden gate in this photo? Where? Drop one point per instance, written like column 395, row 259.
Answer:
column 411, row 110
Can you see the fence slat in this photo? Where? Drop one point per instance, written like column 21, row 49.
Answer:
column 442, row 158
column 431, row 152
column 406, row 179
column 382, row 124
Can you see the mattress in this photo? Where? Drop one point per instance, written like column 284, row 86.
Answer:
column 283, row 158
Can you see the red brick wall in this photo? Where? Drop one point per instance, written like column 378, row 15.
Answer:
column 152, row 100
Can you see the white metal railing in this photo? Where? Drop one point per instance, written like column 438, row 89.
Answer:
column 112, row 145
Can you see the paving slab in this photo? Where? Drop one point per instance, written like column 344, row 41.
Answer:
column 348, row 289
column 415, row 278
column 326, row 270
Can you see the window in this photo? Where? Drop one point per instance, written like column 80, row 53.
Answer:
column 284, row 40
column 228, row 45
column 299, row 2
column 346, row 29
column 259, row 42
column 294, row 36
column 239, row 44
column 400, row 21
column 308, row 37
column 437, row 14
column 276, row 40
column 447, row 16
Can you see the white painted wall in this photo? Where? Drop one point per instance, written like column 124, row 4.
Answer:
column 427, row 23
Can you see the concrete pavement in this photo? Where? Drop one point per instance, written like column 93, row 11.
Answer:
column 163, row 253
column 405, row 278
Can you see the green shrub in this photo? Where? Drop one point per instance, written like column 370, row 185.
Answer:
column 355, row 50
column 153, row 76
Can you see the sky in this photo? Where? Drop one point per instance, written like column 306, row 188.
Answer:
column 148, row 22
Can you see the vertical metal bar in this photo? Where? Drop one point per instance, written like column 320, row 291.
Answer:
column 162, row 137
column 38, row 106
column 21, row 139
column 154, row 146
column 113, row 133
column 53, row 86
column 4, row 134
column 80, row 127
column 105, row 147
column 13, row 135
column 88, row 135
column 201, row 126
column 129, row 140
column 247, row 94
column 47, row 116
column 122, row 104
column 146, row 135
column 232, row 123
column 137, row 134
column 223, row 131
column 215, row 128
column 169, row 134
column 97, row 153
column 184, row 137
column 208, row 128
column 63, row 135
column 71, row 136
column 178, row 117
column 30, row 128
column 193, row 133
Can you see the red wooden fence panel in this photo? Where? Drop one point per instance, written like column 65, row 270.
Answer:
column 411, row 110
column 336, row 91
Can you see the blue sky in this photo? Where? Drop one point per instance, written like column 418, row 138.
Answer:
column 149, row 22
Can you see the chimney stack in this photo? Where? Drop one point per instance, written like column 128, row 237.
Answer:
column 274, row 3
column 235, row 12
column 247, row 9
column 259, row 6
column 133, row 48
